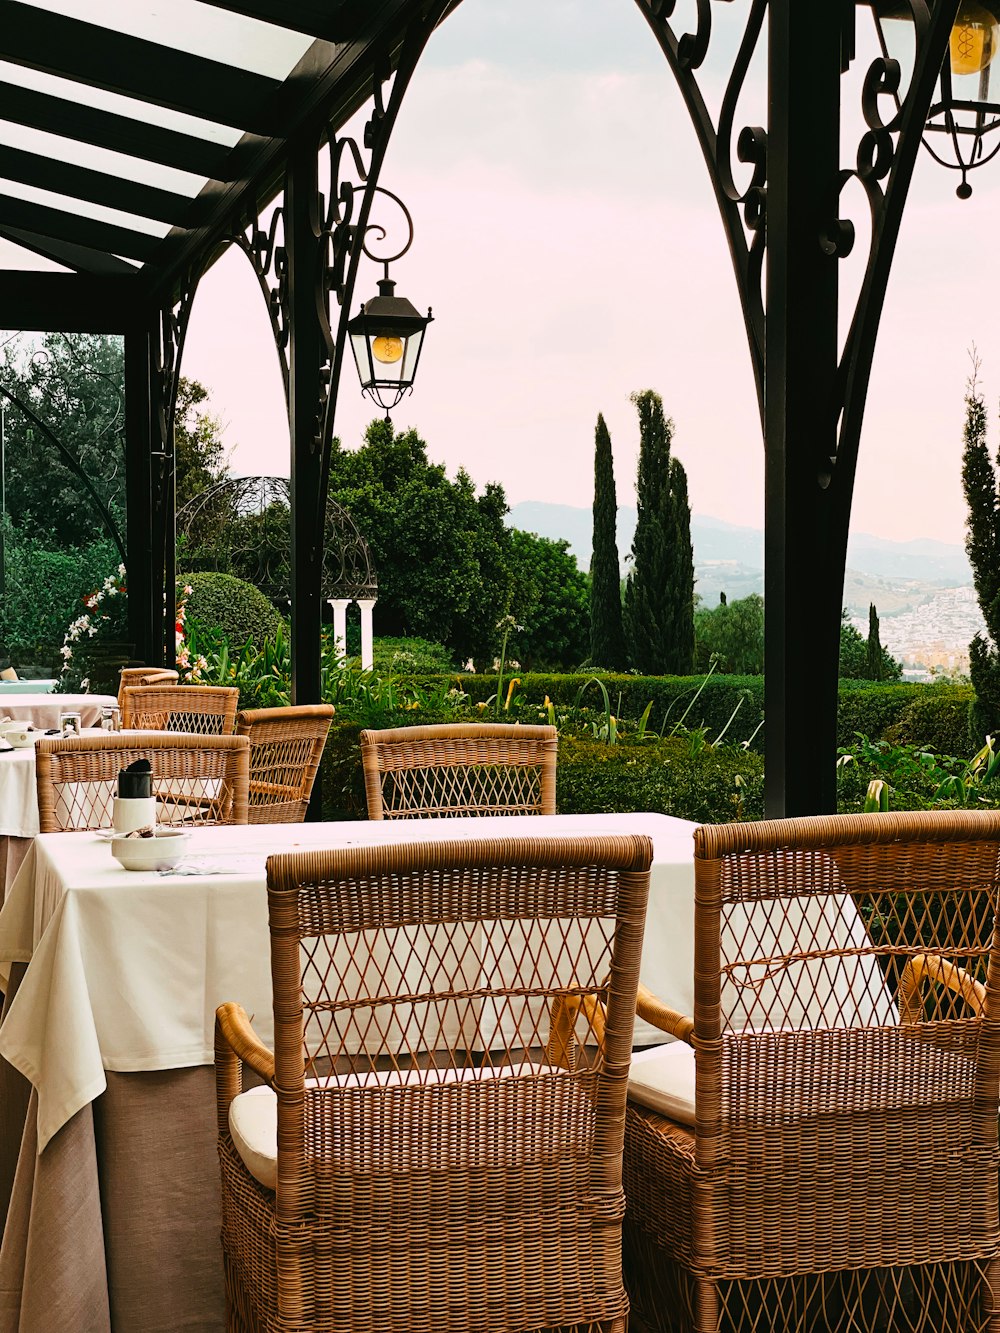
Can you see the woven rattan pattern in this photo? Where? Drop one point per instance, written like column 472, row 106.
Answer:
column 196, row 779
column 141, row 675
column 460, row 769
column 841, row 1168
column 286, row 746
column 457, row 1178
column 203, row 710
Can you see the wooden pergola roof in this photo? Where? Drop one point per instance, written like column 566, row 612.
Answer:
column 137, row 136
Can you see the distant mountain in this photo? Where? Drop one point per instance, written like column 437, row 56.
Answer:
column 730, row 559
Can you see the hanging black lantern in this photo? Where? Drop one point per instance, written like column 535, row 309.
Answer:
column 962, row 125
column 386, row 336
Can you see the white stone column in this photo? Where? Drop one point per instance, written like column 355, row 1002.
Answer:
column 339, row 606
column 367, row 638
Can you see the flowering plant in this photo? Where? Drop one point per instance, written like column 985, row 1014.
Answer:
column 105, row 620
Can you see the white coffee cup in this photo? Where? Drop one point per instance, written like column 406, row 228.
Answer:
column 132, row 812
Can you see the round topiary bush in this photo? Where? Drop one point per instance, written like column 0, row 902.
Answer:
column 238, row 609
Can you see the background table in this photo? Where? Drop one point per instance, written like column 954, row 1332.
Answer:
column 44, row 710
column 18, row 811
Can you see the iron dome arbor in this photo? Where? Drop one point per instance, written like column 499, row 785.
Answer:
column 260, row 134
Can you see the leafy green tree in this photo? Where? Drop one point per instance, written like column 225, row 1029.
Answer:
column 444, row 555
column 854, row 656
column 74, row 385
column 200, row 453
column 659, row 594
column 733, row 633
column 607, row 633
column 982, row 545
column 553, row 608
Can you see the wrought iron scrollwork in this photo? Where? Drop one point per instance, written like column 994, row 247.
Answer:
column 885, row 158
column 243, row 526
column 743, row 211
column 269, row 260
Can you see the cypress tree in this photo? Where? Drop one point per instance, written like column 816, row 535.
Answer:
column 873, row 648
column 607, row 636
column 659, row 595
column 982, row 544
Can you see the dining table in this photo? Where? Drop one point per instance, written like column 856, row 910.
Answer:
column 108, row 1165
column 18, row 807
column 44, row 710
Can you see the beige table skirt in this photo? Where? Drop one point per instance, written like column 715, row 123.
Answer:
column 12, row 853
column 116, row 1225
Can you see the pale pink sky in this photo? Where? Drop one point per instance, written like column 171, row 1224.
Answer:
column 568, row 241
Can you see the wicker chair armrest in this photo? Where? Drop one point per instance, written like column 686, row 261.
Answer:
column 236, row 1045
column 566, row 1009
column 651, row 1009
column 933, row 967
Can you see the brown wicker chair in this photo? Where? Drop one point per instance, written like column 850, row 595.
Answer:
column 205, row 710
column 476, row 769
column 418, row 1162
column 286, row 746
column 196, row 779
column 142, row 675
column 840, row 1172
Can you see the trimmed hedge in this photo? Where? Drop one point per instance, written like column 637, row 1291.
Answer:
column 237, row 608
column 669, row 777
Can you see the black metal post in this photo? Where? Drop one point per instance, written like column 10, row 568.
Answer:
column 306, row 356
column 805, row 553
column 143, row 593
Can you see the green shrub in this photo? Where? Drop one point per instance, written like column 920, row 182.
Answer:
column 238, row 610
column 629, row 695
column 937, row 719
column 403, row 656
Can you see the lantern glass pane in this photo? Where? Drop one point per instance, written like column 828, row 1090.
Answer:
column 359, row 344
column 411, row 356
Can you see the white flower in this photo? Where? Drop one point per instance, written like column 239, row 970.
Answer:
column 188, row 590
column 121, row 571
column 66, row 651
column 85, row 683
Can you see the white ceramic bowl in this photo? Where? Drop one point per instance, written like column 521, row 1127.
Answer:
column 160, row 852
column 20, row 737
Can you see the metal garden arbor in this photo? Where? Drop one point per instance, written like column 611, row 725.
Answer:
column 307, row 261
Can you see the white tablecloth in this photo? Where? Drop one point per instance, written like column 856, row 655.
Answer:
column 18, row 801
column 44, row 710
column 127, row 969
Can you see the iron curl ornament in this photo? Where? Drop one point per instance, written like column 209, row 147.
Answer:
column 743, row 210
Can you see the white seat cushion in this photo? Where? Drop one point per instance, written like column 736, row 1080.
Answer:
column 253, row 1115
column 662, row 1079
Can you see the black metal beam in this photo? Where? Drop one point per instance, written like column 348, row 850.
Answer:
column 330, row 95
column 148, row 71
column 306, row 264
column 78, row 257
column 71, row 302
column 333, row 22
column 144, row 594
column 46, row 221
column 804, row 556
column 137, row 138
column 50, row 173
